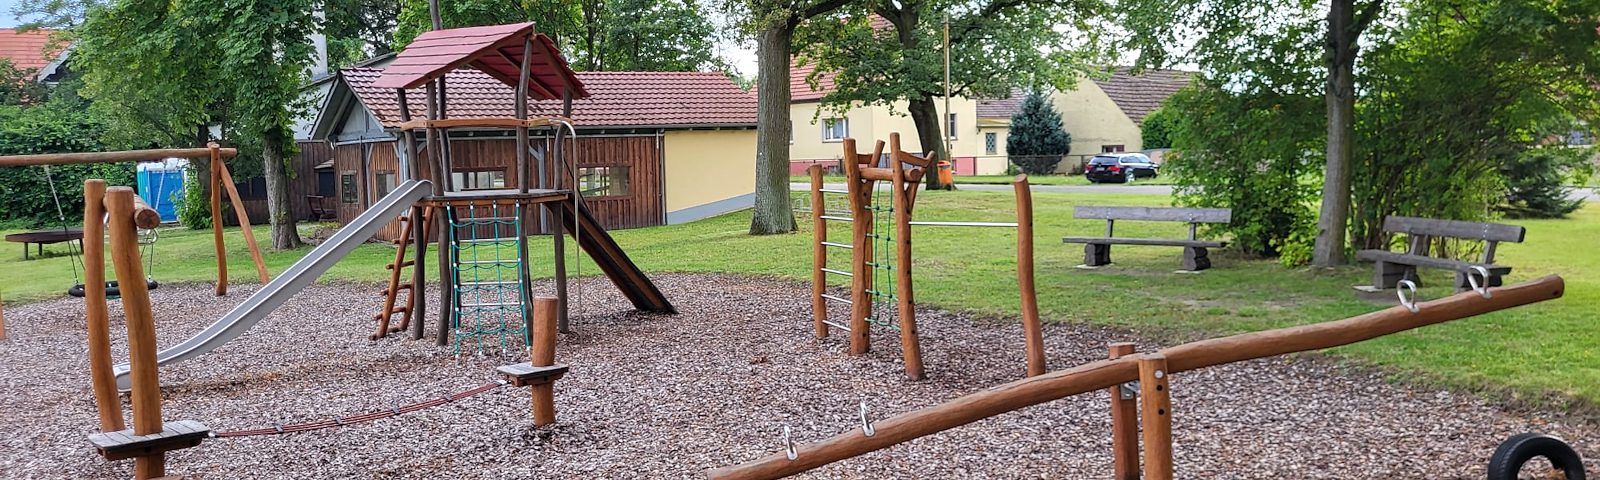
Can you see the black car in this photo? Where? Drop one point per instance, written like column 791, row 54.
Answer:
column 1119, row 168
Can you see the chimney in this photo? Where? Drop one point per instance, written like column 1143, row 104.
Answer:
column 319, row 46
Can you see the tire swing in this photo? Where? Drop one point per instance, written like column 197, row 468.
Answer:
column 1507, row 461
column 147, row 241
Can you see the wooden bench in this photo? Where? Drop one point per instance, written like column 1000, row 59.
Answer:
column 1097, row 250
column 322, row 208
column 1392, row 267
column 123, row 444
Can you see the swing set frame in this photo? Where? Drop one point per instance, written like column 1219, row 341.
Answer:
column 147, row 218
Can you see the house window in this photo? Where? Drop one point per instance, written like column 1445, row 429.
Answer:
column 990, row 143
column 611, row 181
column 950, row 126
column 479, row 179
column 1110, row 148
column 347, row 188
column 385, row 183
column 327, row 185
column 835, row 129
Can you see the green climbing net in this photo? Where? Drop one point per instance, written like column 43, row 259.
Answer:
column 488, row 276
column 884, row 258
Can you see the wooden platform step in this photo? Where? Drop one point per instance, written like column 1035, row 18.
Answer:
column 123, row 444
column 524, row 374
column 404, row 264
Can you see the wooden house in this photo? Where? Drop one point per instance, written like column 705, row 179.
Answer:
column 652, row 148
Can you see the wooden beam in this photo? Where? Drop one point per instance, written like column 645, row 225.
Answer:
column 144, row 216
column 101, row 377
column 542, row 353
column 1124, row 424
column 910, row 344
column 244, row 223
column 860, row 193
column 1155, row 409
column 215, row 184
column 1106, row 373
column 110, row 157
column 146, row 396
column 1032, row 328
column 819, row 253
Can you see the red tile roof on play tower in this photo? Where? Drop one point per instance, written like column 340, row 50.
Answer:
column 496, row 50
column 616, row 99
column 28, row 50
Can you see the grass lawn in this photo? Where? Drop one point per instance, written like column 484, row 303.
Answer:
column 1534, row 353
column 1003, row 179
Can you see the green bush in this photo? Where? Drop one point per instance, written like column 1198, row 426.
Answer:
column 194, row 211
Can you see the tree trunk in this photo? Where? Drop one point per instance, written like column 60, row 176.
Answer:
column 773, row 213
column 925, row 115
column 284, row 235
column 1340, row 55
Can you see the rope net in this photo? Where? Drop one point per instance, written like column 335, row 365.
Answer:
column 885, row 255
column 489, row 299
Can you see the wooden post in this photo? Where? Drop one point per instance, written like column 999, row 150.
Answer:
column 819, row 253
column 861, row 250
column 543, row 354
column 910, row 344
column 1032, row 329
column 1156, row 410
column 558, row 242
column 101, row 376
column 216, row 219
column 1124, row 425
column 244, row 223
column 146, row 397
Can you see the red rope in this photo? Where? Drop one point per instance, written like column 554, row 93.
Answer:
column 381, row 414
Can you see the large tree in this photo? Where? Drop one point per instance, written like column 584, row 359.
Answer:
column 1228, row 29
column 886, row 51
column 164, row 72
column 773, row 24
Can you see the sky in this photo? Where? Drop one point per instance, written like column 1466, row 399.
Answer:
column 7, row 20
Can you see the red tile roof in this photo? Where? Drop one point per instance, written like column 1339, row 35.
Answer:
column 800, row 90
column 1002, row 107
column 496, row 50
column 617, row 99
column 27, row 50
column 1138, row 95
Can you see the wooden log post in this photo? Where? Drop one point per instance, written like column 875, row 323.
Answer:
column 146, row 397
column 1032, row 328
column 910, row 344
column 819, row 252
column 860, row 192
column 1156, row 412
column 1107, row 373
column 244, row 223
column 542, row 353
column 215, row 184
column 1124, row 423
column 101, row 376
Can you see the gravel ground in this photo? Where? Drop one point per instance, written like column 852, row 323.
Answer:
column 655, row 396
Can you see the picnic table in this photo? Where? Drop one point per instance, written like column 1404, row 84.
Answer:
column 43, row 237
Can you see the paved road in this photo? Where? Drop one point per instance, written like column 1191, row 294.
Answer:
column 1588, row 194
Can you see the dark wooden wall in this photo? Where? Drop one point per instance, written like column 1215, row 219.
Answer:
column 643, row 207
column 302, row 182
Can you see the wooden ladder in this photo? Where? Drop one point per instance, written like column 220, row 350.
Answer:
column 392, row 293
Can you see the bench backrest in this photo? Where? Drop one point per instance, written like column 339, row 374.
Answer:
column 1157, row 214
column 1490, row 232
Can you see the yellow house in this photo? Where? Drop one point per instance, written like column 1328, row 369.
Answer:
column 1101, row 115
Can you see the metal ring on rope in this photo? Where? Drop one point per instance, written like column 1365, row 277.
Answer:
column 866, row 423
column 1483, row 288
column 788, row 445
column 1409, row 302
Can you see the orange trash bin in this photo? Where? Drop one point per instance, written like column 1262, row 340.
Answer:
column 946, row 174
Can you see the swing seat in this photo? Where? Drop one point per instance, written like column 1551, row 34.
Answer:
column 111, row 288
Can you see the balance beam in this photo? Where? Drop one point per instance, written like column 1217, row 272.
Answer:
column 1106, row 373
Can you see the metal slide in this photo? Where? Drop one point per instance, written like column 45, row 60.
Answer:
column 291, row 281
